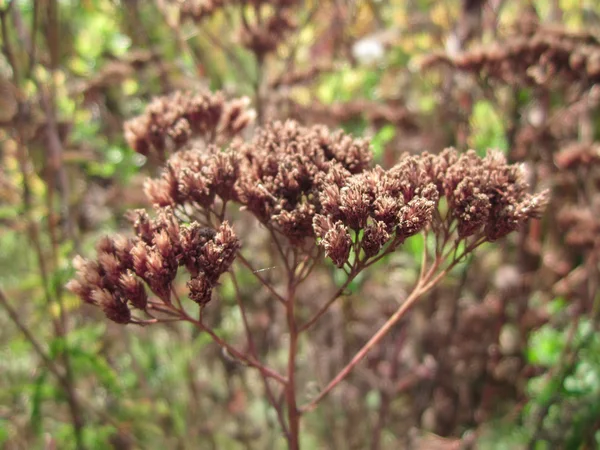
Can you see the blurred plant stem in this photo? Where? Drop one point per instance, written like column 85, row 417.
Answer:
column 56, row 170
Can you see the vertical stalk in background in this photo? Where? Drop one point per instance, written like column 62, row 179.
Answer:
column 290, row 389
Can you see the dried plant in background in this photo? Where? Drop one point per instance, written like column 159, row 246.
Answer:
column 546, row 56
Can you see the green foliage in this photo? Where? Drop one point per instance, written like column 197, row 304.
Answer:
column 381, row 139
column 487, row 128
column 568, row 394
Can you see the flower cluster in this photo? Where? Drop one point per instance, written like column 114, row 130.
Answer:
column 263, row 38
column 287, row 166
column 544, row 57
column 577, row 155
column 277, row 176
column 582, row 227
column 381, row 203
column 169, row 122
column 196, row 176
column 116, row 281
column 485, row 197
column 488, row 195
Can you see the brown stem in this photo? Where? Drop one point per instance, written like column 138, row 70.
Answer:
column 254, row 353
column 67, row 381
column 52, row 367
column 290, row 390
column 7, row 47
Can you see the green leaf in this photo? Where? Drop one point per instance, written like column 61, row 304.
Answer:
column 37, row 399
column 487, row 129
column 545, row 347
column 381, row 139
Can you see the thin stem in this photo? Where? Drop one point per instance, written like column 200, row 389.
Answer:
column 52, row 367
column 423, row 256
column 254, row 353
column 177, row 299
column 280, row 249
column 290, row 391
column 7, row 47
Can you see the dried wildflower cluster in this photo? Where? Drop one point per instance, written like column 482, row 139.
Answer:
column 277, row 176
column 307, row 182
column 285, row 168
column 577, row 155
column 545, row 56
column 485, row 196
column 489, row 195
column 582, row 227
column 116, row 281
column 385, row 204
column 263, row 38
column 273, row 20
column 169, row 122
column 303, row 183
column 196, row 176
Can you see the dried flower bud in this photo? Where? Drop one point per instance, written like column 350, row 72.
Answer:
column 218, row 254
column 198, row 10
column 414, row 217
column 263, row 38
column 355, row 204
column 374, row 239
column 115, row 309
column 337, row 244
column 134, row 291
column 200, row 289
column 578, row 155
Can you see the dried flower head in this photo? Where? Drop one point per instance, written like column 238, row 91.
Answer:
column 577, row 155
column 198, row 10
column 117, row 280
column 284, row 169
column 485, row 197
column 263, row 38
column 170, row 122
column 487, row 192
column 542, row 56
column 196, row 177
column 582, row 227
